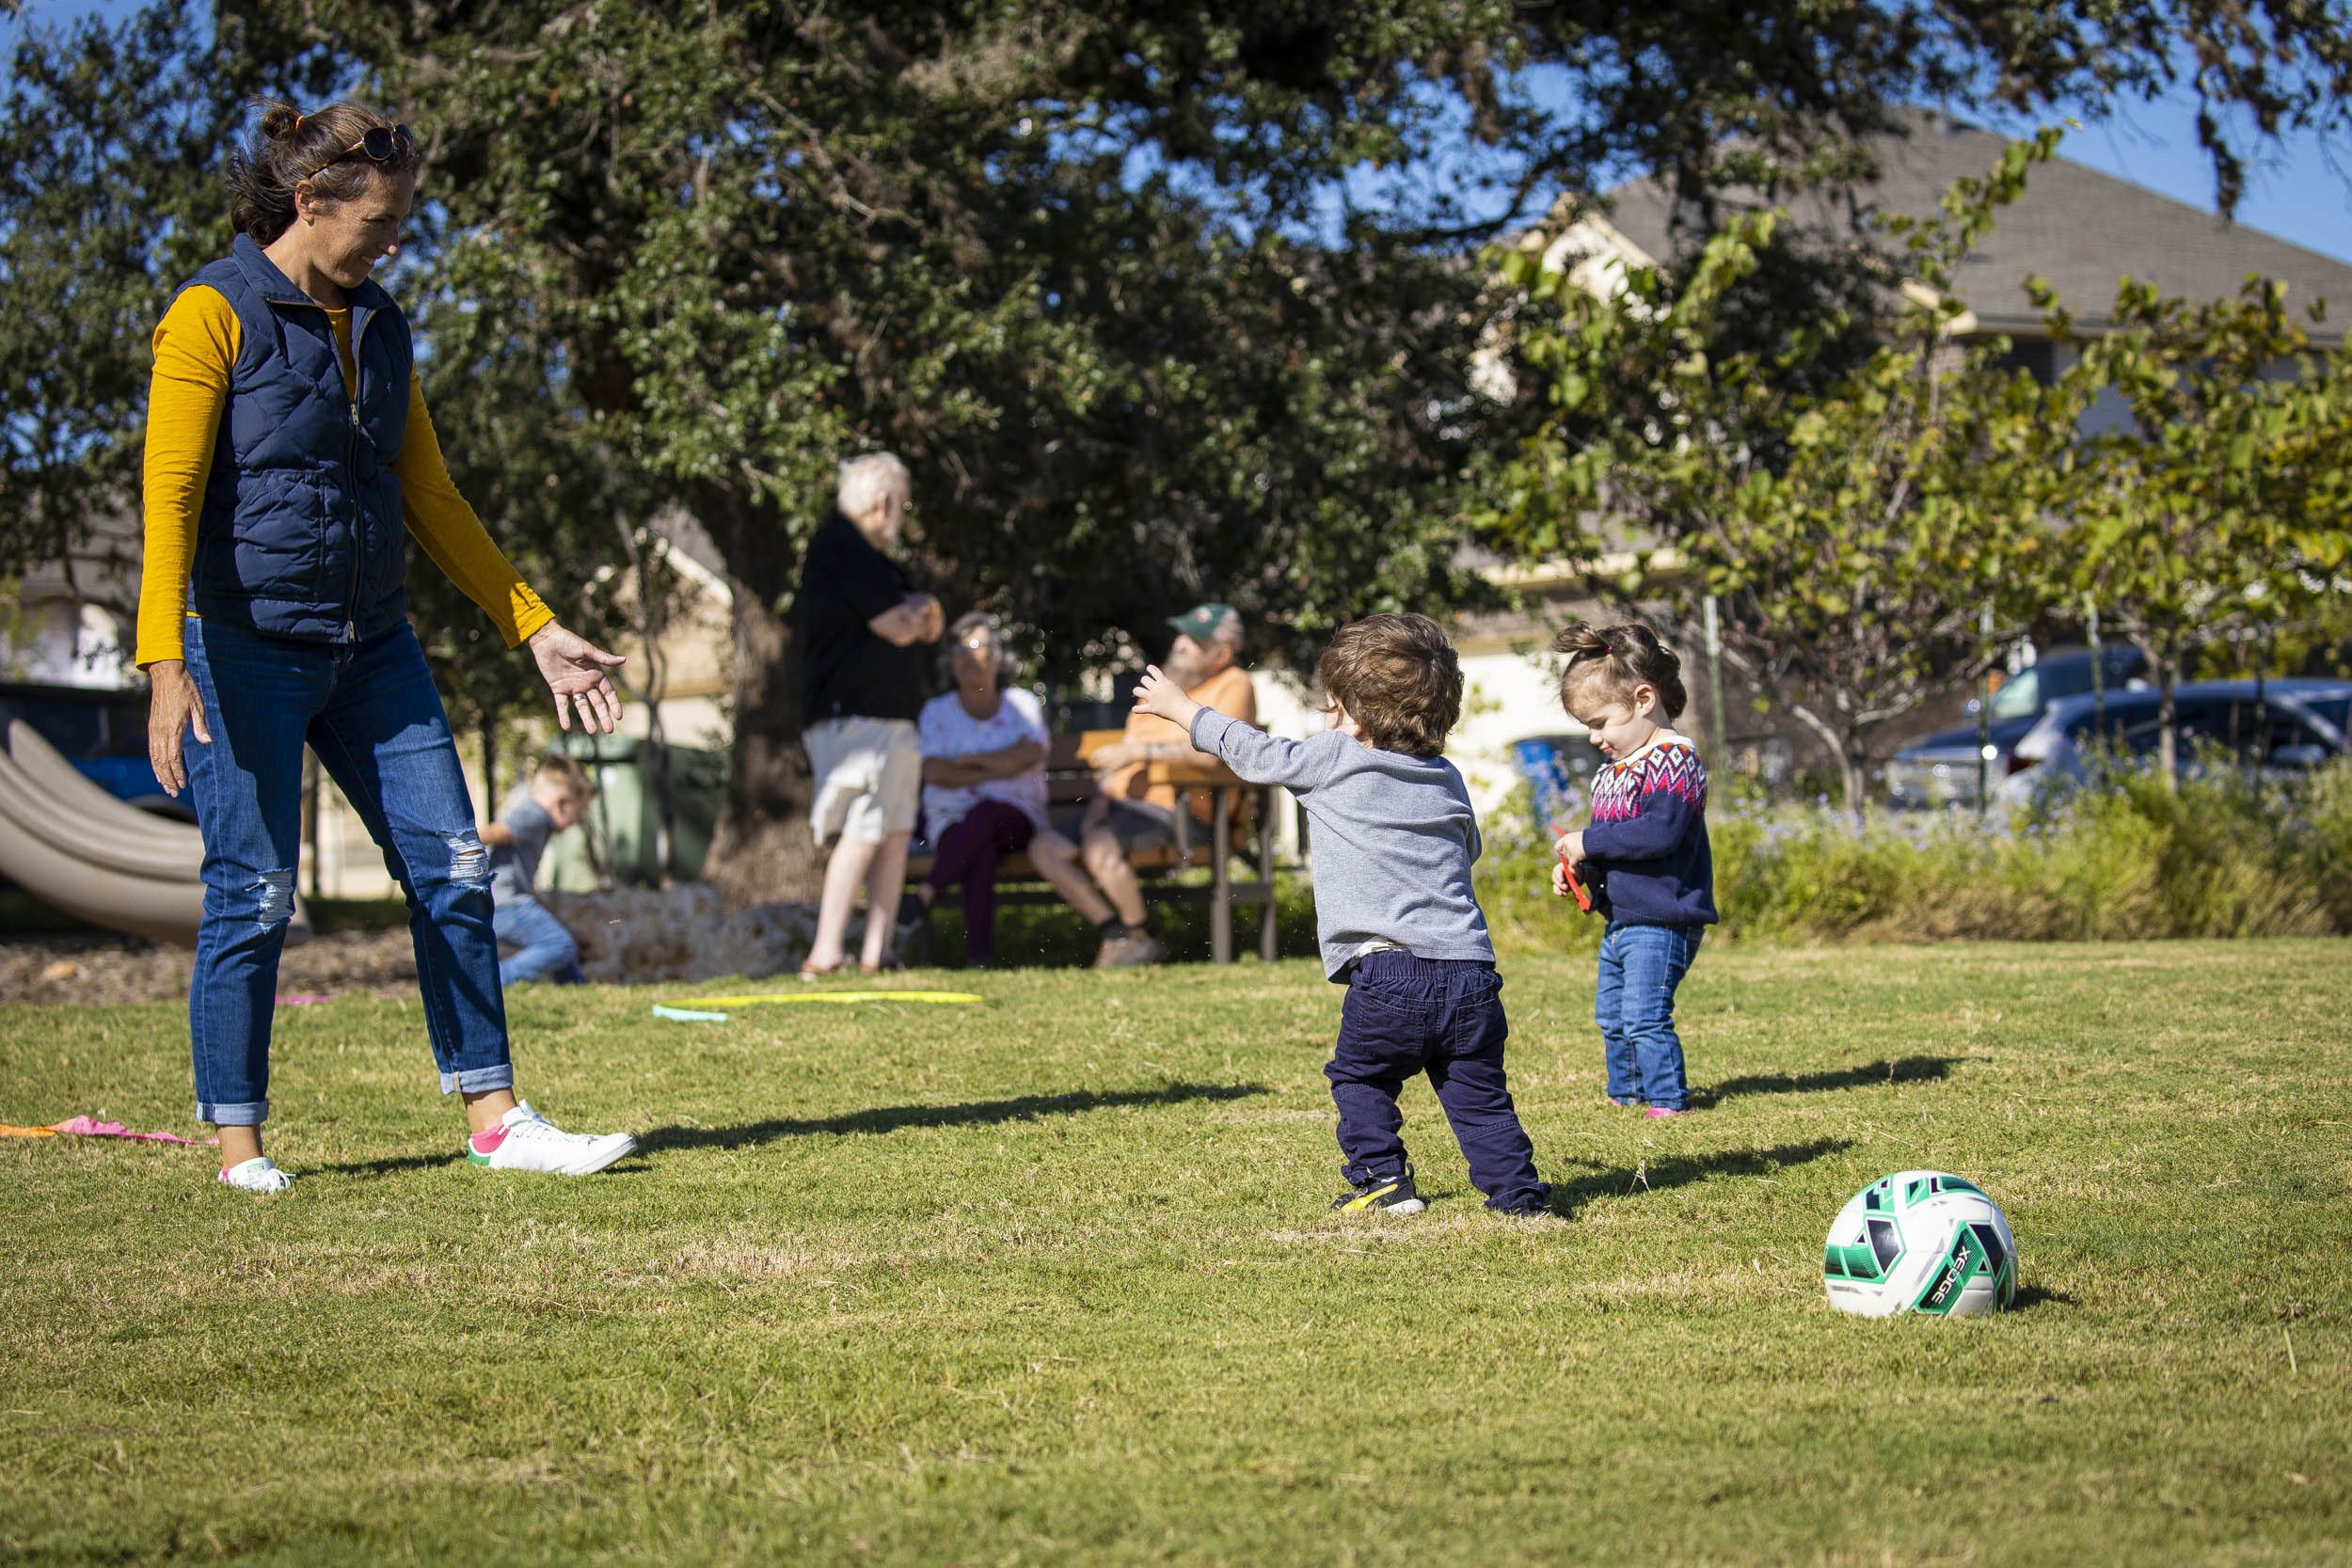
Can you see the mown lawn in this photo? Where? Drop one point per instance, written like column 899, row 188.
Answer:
column 1052, row 1280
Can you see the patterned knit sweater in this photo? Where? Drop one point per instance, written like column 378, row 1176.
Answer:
column 1648, row 836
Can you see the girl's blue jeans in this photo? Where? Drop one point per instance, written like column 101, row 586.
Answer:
column 1640, row 967
column 371, row 713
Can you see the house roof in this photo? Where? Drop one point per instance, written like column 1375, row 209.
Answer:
column 2080, row 229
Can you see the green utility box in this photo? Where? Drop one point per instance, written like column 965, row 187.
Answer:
column 614, row 844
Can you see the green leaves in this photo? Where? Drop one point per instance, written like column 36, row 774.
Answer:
column 1856, row 531
column 760, row 238
column 110, row 143
column 2218, row 505
column 1107, row 277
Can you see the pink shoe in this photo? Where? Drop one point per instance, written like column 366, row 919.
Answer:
column 1657, row 1111
column 1623, row 1103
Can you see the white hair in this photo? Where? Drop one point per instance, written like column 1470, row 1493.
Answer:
column 866, row 479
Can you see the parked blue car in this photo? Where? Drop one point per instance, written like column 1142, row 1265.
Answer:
column 1941, row 770
column 2283, row 728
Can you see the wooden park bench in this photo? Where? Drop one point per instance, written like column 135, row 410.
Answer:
column 1239, row 812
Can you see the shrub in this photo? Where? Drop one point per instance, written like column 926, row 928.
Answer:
column 2228, row 856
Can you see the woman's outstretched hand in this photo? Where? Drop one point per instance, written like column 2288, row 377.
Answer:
column 575, row 670
column 172, row 704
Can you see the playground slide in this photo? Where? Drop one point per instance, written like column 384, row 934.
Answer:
column 70, row 844
column 47, row 768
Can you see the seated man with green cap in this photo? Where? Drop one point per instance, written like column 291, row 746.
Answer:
column 1129, row 814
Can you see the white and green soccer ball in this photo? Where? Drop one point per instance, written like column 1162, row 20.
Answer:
column 1920, row 1241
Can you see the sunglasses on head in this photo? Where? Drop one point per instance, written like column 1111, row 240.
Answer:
column 380, row 143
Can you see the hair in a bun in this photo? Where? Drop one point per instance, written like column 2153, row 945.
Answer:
column 288, row 147
column 279, row 121
column 1623, row 658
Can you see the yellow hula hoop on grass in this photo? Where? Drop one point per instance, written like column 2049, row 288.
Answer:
column 947, row 998
column 695, row 1009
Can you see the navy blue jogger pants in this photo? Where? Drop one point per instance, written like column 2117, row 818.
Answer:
column 1443, row 1017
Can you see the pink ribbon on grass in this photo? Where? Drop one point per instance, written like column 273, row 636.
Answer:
column 89, row 1127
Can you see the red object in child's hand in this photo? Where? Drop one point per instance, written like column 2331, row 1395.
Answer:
column 1583, row 899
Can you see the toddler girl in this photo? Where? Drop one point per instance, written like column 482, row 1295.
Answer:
column 1647, row 841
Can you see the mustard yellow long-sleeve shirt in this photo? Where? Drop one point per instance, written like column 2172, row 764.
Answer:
column 195, row 349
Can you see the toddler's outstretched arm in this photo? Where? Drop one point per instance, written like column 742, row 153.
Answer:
column 1263, row 758
column 1260, row 757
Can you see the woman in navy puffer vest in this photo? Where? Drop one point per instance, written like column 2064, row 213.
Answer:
column 289, row 453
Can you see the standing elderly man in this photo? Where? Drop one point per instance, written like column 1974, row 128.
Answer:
column 865, row 679
column 1129, row 814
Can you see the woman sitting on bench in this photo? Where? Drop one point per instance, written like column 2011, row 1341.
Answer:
column 984, row 750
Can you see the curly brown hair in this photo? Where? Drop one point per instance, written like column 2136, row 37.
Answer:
column 289, row 148
column 1398, row 677
column 1624, row 658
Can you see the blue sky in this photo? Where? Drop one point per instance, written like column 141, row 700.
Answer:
column 2296, row 192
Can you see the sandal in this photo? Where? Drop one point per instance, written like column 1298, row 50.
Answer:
column 812, row 972
column 891, row 964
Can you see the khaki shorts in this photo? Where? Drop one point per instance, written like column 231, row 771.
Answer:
column 870, row 778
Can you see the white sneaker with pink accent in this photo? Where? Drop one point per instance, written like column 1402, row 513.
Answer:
column 256, row 1174
column 525, row 1140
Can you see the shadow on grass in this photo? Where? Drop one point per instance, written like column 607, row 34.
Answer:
column 983, row 1113
column 1569, row 1195
column 2034, row 1295
column 390, row 1167
column 888, row 1119
column 1910, row 1069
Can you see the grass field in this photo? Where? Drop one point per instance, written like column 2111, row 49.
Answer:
column 1053, row 1281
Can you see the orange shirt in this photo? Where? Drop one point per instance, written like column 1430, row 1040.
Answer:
column 1229, row 691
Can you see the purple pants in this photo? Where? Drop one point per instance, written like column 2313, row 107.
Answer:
column 968, row 853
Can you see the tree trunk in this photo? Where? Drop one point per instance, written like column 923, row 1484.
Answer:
column 489, row 764
column 2258, row 755
column 311, row 814
column 647, row 620
column 761, row 850
column 1852, row 756
column 2167, row 721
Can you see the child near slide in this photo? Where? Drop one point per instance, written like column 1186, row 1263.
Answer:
column 1649, row 841
column 1393, row 839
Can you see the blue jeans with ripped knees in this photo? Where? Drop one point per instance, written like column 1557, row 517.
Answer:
column 371, row 713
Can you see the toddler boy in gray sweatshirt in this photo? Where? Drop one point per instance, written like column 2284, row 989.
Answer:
column 1392, row 839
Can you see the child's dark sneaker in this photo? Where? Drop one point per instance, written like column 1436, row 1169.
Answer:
column 1394, row 1195
column 1540, row 1203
